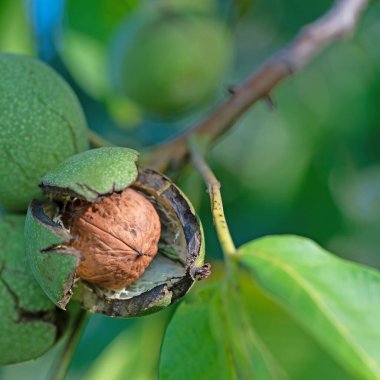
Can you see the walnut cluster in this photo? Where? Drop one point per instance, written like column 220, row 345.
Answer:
column 117, row 237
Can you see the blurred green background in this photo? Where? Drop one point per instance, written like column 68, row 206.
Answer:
column 309, row 167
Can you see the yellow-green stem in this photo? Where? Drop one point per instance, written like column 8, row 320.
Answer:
column 213, row 187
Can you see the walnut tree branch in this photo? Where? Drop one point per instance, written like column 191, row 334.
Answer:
column 339, row 22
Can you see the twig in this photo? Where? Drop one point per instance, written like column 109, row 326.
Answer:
column 336, row 24
column 64, row 360
column 213, row 187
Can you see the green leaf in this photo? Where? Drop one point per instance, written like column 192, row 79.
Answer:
column 209, row 338
column 16, row 34
column 296, row 351
column 337, row 301
column 133, row 354
column 84, row 43
column 99, row 20
column 85, row 58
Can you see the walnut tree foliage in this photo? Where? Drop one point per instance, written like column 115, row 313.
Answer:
column 132, row 96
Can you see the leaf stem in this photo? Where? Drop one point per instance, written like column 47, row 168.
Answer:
column 64, row 360
column 213, row 187
column 96, row 140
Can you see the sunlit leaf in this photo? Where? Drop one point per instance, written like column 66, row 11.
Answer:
column 337, row 301
column 298, row 353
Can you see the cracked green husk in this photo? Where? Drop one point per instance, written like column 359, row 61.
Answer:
column 29, row 323
column 91, row 175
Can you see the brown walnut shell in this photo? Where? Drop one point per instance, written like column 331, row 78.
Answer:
column 117, row 238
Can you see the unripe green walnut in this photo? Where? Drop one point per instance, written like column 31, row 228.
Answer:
column 121, row 239
column 29, row 323
column 41, row 124
column 170, row 62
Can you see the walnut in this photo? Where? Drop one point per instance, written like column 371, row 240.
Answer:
column 99, row 224
column 117, row 238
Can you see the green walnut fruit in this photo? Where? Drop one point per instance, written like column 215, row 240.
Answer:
column 169, row 62
column 42, row 124
column 120, row 239
column 29, row 323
